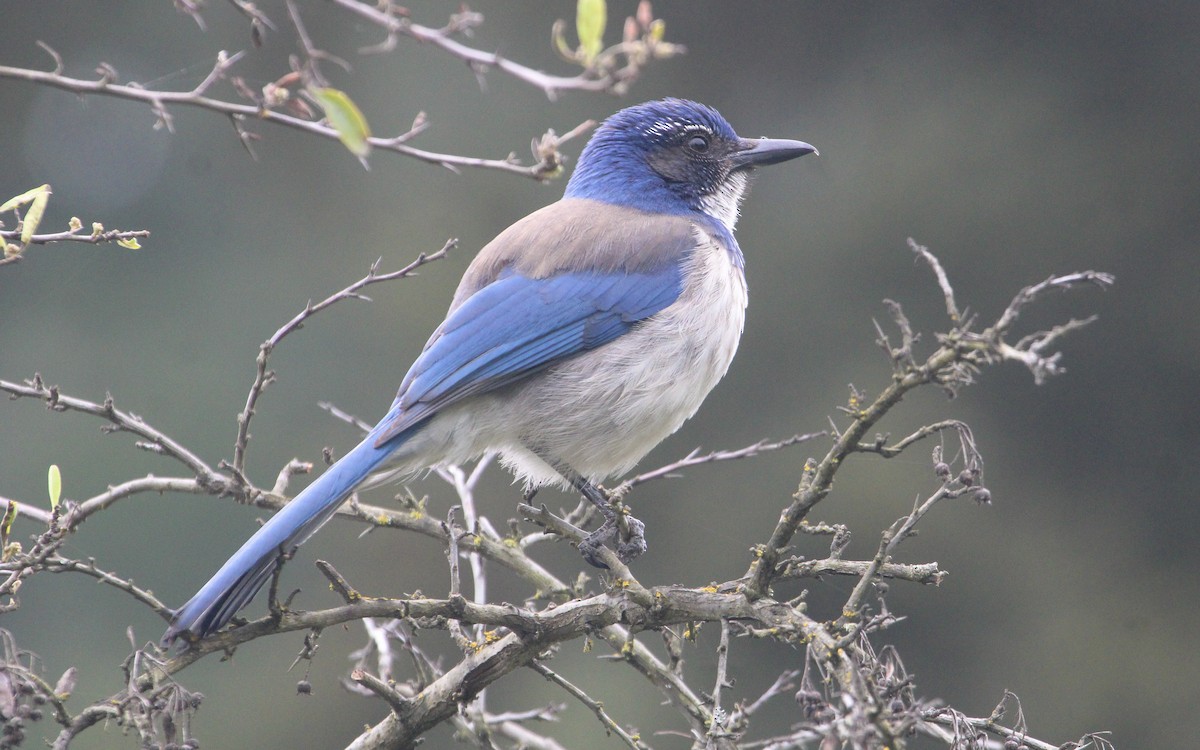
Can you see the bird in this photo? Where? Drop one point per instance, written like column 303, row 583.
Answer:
column 578, row 339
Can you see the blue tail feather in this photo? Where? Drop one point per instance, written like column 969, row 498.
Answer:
column 240, row 578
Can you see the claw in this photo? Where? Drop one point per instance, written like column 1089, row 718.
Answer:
column 623, row 534
column 593, row 542
column 633, row 544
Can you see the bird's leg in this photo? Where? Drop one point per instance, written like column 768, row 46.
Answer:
column 620, row 532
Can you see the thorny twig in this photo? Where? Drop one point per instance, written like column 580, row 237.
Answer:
column 696, row 459
column 264, row 377
column 120, row 421
column 960, row 352
column 258, row 112
column 596, row 706
column 95, row 237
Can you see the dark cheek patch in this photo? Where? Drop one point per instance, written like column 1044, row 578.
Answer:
column 671, row 165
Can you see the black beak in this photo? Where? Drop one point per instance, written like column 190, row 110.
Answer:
column 764, row 151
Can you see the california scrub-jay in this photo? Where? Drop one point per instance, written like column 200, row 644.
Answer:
column 577, row 340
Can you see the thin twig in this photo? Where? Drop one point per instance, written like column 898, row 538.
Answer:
column 942, row 279
column 77, row 235
column 596, row 707
column 949, row 366
column 718, row 727
column 121, row 421
column 263, row 377
column 695, row 459
column 464, row 487
column 159, row 100
column 311, row 51
column 896, row 448
column 88, row 567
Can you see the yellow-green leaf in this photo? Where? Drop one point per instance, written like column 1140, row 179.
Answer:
column 10, row 515
column 33, row 216
column 131, row 243
column 658, row 30
column 54, row 480
column 23, row 198
column 590, row 19
column 346, row 118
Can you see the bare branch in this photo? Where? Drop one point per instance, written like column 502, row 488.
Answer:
column 926, row 573
column 160, row 100
column 783, row 683
column 719, row 728
column 76, row 235
column 695, row 459
column 121, row 421
column 145, row 596
column 596, row 707
column 313, row 54
column 960, row 352
column 264, row 377
column 290, row 469
column 895, row 449
column 389, row 694
column 361, row 424
column 1030, row 293
column 259, row 22
column 58, row 61
column 942, row 279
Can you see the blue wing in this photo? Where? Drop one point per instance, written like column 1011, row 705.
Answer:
column 516, row 326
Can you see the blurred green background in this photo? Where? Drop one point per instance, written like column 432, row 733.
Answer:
column 1016, row 140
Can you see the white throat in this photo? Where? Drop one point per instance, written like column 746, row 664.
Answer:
column 724, row 204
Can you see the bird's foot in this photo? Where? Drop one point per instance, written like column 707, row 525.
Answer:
column 620, row 532
column 632, row 538
column 591, row 544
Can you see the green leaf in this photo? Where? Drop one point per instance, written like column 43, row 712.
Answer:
column 23, row 198
column 10, row 515
column 54, row 480
column 590, row 19
column 131, row 243
column 36, row 198
column 347, row 119
column 658, row 29
column 33, row 216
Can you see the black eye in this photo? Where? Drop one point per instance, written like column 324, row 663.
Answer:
column 698, row 144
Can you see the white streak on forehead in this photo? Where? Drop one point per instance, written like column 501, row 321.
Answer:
column 665, row 126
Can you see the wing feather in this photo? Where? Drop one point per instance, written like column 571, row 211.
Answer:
column 518, row 325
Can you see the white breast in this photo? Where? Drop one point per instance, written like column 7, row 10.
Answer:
column 603, row 411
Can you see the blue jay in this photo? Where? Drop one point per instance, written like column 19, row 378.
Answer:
column 578, row 339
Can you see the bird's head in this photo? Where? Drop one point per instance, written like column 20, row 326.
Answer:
column 674, row 156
